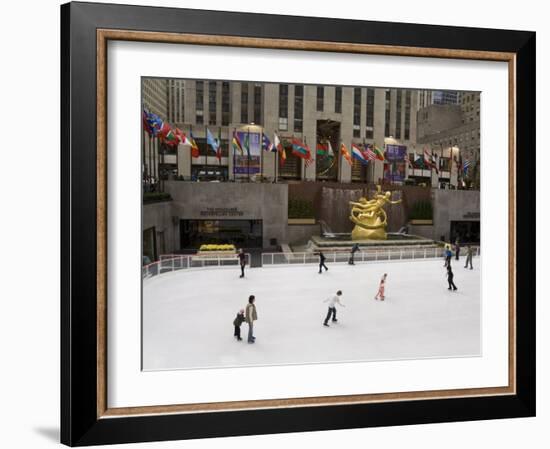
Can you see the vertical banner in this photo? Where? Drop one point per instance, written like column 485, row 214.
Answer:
column 252, row 141
column 394, row 167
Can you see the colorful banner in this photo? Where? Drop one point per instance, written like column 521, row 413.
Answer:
column 394, row 167
column 251, row 145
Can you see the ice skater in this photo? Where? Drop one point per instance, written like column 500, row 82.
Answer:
column 332, row 301
column 450, row 277
column 457, row 248
column 239, row 319
column 354, row 249
column 322, row 265
column 381, row 287
column 251, row 316
column 448, row 255
column 242, row 261
column 469, row 255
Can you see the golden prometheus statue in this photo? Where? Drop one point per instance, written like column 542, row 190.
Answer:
column 369, row 216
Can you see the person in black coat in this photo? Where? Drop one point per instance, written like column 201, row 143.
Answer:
column 239, row 319
column 322, row 259
column 354, row 249
column 450, row 277
column 242, row 261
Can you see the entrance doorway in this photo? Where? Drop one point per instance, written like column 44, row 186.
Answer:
column 327, row 162
column 241, row 233
column 466, row 231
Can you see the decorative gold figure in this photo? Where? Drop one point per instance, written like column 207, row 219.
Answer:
column 369, row 216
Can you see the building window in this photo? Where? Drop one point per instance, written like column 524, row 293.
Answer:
column 257, row 104
column 369, row 133
column 407, row 115
column 338, row 100
column 357, row 112
column 298, row 108
column 387, row 114
column 320, row 98
column 398, row 114
column 244, row 103
column 225, row 103
column 283, row 107
column 212, row 91
column 199, row 102
column 292, row 167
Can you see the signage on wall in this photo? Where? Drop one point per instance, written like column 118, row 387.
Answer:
column 221, row 212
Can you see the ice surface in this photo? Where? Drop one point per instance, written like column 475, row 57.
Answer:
column 188, row 315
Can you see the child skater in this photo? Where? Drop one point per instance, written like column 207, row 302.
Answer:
column 239, row 319
column 380, row 294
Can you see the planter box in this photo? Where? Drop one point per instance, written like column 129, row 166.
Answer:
column 301, row 221
column 421, row 222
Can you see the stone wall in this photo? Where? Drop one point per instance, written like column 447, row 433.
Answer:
column 159, row 216
column 233, row 201
column 453, row 205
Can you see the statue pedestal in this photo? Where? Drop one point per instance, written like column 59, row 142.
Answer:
column 360, row 233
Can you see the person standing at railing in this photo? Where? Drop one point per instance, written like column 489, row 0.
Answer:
column 251, row 316
column 469, row 255
column 354, row 249
column 242, row 261
column 322, row 265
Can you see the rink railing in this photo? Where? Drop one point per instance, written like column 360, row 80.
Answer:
column 371, row 255
column 175, row 262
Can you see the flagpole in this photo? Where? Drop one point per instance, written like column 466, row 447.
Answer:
column 233, row 148
column 248, row 154
column 206, row 147
column 262, row 157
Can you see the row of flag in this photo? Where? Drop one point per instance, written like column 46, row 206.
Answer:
column 156, row 127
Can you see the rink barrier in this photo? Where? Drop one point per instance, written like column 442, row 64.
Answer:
column 174, row 262
column 371, row 255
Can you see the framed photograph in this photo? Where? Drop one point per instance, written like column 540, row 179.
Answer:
column 284, row 224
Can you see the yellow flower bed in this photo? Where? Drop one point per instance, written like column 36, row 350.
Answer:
column 212, row 247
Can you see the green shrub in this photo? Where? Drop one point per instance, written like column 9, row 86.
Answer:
column 421, row 210
column 153, row 197
column 300, row 209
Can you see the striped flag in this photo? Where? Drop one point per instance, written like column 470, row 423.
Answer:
column 369, row 153
column 210, row 140
column 300, row 149
column 266, row 144
column 466, row 166
column 278, row 145
column 344, row 151
column 194, row 147
column 379, row 153
column 236, row 143
column 358, row 154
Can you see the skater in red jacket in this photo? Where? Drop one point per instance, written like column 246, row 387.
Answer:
column 380, row 294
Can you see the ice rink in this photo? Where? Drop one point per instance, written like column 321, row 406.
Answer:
column 188, row 315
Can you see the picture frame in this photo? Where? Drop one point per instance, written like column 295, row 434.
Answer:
column 86, row 29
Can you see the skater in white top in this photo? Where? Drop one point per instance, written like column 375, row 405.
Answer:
column 332, row 301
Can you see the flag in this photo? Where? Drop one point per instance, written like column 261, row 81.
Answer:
column 322, row 149
column 278, row 145
column 236, row 143
column 429, row 160
column 210, row 140
column 358, row 154
column 167, row 135
column 182, row 138
column 194, row 147
column 378, row 152
column 466, row 166
column 369, row 153
column 219, row 141
column 152, row 123
column 344, row 151
column 266, row 144
column 300, row 149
